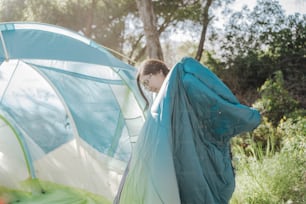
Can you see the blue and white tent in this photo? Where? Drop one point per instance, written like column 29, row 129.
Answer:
column 69, row 114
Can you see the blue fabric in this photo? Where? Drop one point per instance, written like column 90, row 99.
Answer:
column 42, row 41
column 183, row 152
column 67, row 75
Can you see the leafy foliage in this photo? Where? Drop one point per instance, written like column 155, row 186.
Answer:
column 257, row 44
column 274, row 177
column 277, row 179
column 293, row 130
column 270, row 161
column 103, row 21
column 275, row 106
column 275, row 101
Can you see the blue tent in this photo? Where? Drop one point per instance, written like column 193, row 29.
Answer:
column 69, row 114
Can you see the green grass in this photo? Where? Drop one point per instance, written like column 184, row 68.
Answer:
column 48, row 193
column 278, row 179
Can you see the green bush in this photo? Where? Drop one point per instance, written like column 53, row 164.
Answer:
column 293, row 132
column 277, row 177
column 275, row 101
column 261, row 142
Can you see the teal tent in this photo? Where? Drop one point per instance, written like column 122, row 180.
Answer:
column 69, row 114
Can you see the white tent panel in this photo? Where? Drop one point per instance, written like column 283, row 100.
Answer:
column 13, row 167
column 73, row 165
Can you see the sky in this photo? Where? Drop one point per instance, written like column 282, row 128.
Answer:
column 290, row 6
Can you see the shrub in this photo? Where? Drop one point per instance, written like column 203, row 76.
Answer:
column 275, row 101
column 263, row 141
column 274, row 178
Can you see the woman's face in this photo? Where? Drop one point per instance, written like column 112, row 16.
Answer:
column 152, row 82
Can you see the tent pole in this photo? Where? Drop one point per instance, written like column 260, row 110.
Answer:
column 4, row 47
column 19, row 142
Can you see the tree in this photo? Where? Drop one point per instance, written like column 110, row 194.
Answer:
column 205, row 23
column 147, row 15
column 257, row 44
column 173, row 15
column 11, row 10
column 102, row 21
column 169, row 14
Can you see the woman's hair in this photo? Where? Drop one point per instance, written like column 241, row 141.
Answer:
column 150, row 66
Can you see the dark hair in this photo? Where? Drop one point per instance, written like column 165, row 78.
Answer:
column 150, row 66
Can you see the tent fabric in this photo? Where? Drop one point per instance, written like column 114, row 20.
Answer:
column 183, row 151
column 70, row 111
column 54, row 193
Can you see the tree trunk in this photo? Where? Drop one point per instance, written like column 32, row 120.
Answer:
column 90, row 18
column 147, row 15
column 206, row 21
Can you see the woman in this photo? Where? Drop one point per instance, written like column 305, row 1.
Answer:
column 151, row 76
column 183, row 151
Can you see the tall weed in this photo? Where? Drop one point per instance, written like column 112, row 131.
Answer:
column 277, row 177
